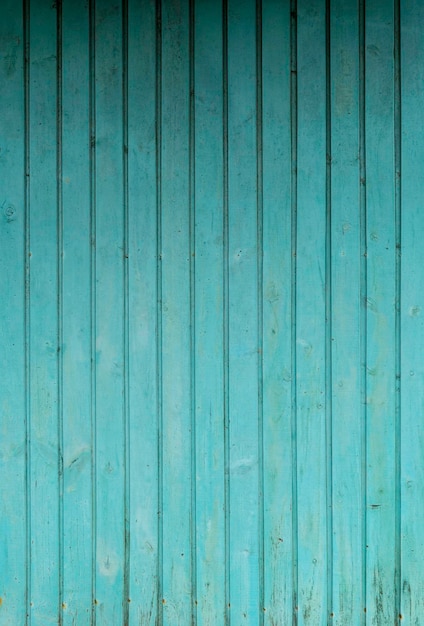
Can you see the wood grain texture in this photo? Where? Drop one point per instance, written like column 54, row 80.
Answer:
column 74, row 314
column 13, row 424
column 109, row 242
column 211, row 320
column 44, row 211
column 346, row 318
column 175, row 258
column 243, row 348
column 381, row 310
column 411, row 303
column 211, row 541
column 143, row 303
column 314, row 507
column 277, row 314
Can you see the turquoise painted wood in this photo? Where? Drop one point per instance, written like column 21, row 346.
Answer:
column 411, row 298
column 347, row 316
column 14, row 321
column 310, row 317
column 75, row 366
column 211, row 322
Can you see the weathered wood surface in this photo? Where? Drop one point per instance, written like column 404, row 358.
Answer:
column 211, row 312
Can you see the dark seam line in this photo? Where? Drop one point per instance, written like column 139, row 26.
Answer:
column 126, row 386
column 159, row 370
column 93, row 300
column 27, row 302
column 398, row 296
column 59, row 226
column 293, row 303
column 328, row 323
column 226, row 339
column 363, row 297
column 260, row 330
column 192, row 247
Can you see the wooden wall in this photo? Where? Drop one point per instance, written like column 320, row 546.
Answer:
column 212, row 305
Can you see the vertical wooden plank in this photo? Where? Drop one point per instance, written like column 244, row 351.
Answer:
column 243, row 316
column 346, row 316
column 363, row 291
column 142, row 157
column 126, row 315
column 381, row 381
column 44, row 477
column 93, row 296
column 412, row 307
column 77, row 484
column 12, row 325
column 293, row 305
column 176, row 334
column 110, row 440
column 313, row 508
column 226, row 304
column 278, row 591
column 210, row 453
